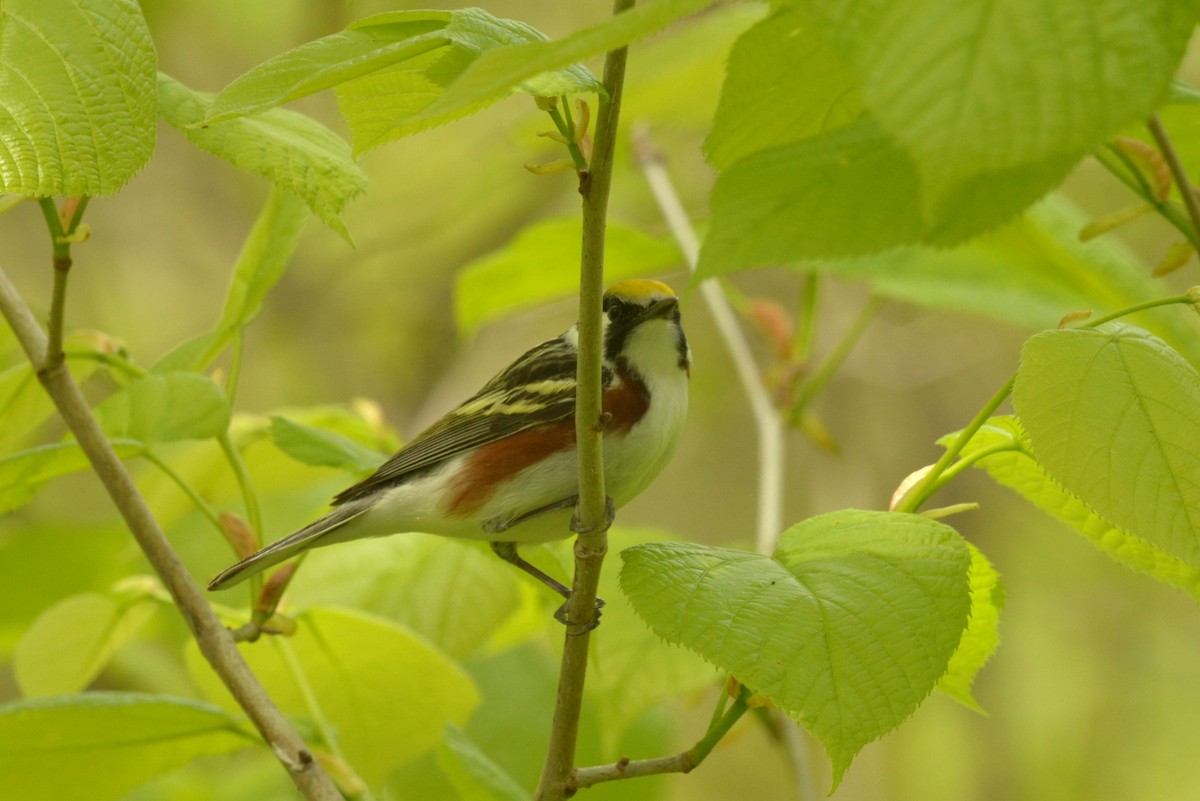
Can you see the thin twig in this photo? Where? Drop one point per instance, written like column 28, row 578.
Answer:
column 683, row 762
column 591, row 514
column 1190, row 201
column 214, row 640
column 766, row 418
column 1119, row 166
column 820, row 377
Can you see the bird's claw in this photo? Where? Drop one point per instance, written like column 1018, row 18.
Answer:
column 610, row 514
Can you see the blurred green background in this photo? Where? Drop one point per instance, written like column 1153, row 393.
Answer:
column 1092, row 693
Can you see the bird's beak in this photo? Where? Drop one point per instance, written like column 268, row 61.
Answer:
column 660, row 309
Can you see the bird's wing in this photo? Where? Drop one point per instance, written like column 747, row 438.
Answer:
column 536, row 389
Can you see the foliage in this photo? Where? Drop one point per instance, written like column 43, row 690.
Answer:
column 914, row 147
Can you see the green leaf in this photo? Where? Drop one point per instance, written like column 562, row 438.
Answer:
column 322, row 448
column 387, row 104
column 970, row 89
column 534, row 268
column 71, row 642
column 292, row 150
column 1113, row 415
column 759, row 110
column 162, row 407
column 99, row 746
column 1028, row 272
column 495, row 72
column 77, row 102
column 259, row 267
column 384, row 692
column 847, row 629
column 23, row 474
column 391, row 67
column 982, row 635
column 456, row 595
column 1003, row 451
column 24, row 404
column 472, row 773
column 793, row 201
column 331, row 60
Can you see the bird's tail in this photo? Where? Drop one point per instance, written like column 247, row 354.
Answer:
column 281, row 550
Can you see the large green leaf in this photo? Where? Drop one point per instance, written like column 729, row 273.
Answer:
column 1003, row 451
column 1113, row 415
column 72, row 641
column 793, row 201
column 454, row 594
column 1029, row 272
column 77, row 101
column 971, row 113
column 292, row 150
column 388, row 104
column 494, row 73
column 391, row 68
column 264, row 256
column 385, row 693
column 99, row 746
column 976, row 88
column 162, row 407
column 847, row 628
column 759, row 109
column 540, row 264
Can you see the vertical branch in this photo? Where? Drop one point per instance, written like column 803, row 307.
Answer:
column 766, row 418
column 591, row 514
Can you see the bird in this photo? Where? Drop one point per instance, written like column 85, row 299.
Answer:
column 501, row 467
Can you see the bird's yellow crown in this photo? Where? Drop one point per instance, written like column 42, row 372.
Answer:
column 639, row 289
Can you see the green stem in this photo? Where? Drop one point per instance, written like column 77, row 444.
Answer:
column 806, row 324
column 934, row 480
column 1118, row 164
column 683, row 762
column 1137, row 307
column 205, row 508
column 927, row 485
column 235, row 365
column 1190, row 201
column 249, row 501
column 62, row 268
column 813, row 386
column 566, row 127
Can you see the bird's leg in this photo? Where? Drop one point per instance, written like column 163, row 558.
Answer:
column 508, row 552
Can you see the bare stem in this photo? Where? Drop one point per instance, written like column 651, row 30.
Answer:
column 813, row 386
column 766, row 418
column 683, row 762
column 591, row 514
column 1190, row 201
column 214, row 639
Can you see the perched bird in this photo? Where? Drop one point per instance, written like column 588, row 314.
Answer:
column 502, row 467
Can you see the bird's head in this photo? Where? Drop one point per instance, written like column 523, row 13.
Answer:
column 642, row 326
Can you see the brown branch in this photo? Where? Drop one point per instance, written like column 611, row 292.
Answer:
column 592, row 515
column 214, row 640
